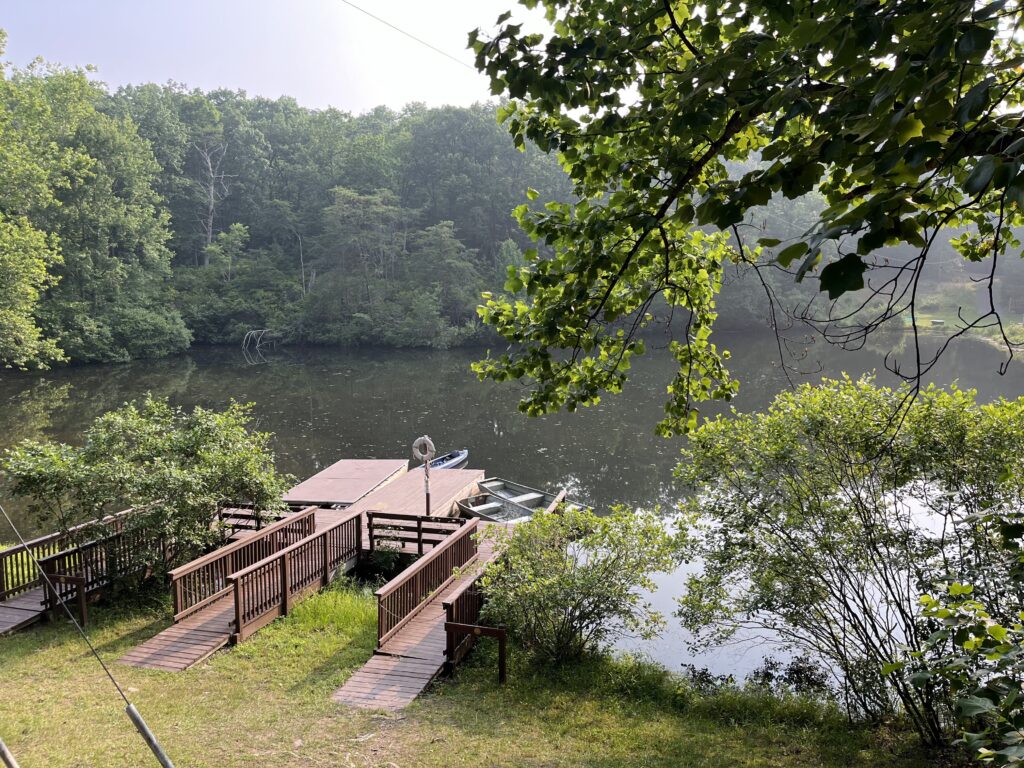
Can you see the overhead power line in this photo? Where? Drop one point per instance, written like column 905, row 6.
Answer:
column 411, row 36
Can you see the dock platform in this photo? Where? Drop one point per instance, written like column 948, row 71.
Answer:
column 229, row 594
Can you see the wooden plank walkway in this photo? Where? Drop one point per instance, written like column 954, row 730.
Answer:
column 22, row 610
column 188, row 642
column 404, row 495
column 196, row 637
column 402, row 668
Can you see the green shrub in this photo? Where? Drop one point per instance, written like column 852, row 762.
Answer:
column 569, row 581
column 175, row 467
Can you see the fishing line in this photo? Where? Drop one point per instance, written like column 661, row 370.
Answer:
column 133, row 713
column 409, row 35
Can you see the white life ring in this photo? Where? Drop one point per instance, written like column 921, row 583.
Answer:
column 423, row 449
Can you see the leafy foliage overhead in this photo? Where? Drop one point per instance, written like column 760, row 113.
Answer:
column 904, row 115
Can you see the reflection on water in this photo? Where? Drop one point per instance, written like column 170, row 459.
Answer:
column 325, row 404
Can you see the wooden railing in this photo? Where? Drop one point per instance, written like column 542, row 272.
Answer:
column 401, row 598
column 400, row 530
column 265, row 590
column 463, row 606
column 18, row 572
column 75, row 573
column 204, row 580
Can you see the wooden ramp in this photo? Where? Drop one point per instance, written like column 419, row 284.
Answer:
column 412, row 653
column 22, row 610
column 185, row 644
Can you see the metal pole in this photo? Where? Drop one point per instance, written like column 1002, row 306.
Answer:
column 426, row 481
column 6, row 756
column 147, row 735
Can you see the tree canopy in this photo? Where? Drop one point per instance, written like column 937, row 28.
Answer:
column 139, row 221
column 676, row 119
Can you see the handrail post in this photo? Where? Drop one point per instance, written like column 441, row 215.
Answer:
column 369, row 528
column 325, row 549
column 239, row 592
column 285, row 568
column 176, row 594
column 419, row 535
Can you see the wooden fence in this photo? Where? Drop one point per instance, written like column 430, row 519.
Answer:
column 266, row 590
column 78, row 572
column 201, row 582
column 401, row 598
column 413, row 531
column 18, row 572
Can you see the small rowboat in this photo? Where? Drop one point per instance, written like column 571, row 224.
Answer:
column 452, row 460
column 507, row 502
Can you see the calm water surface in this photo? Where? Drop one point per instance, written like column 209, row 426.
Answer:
column 326, row 404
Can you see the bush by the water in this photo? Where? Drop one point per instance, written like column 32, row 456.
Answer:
column 569, row 580
column 824, row 520
column 174, row 467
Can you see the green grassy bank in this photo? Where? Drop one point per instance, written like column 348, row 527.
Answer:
column 267, row 702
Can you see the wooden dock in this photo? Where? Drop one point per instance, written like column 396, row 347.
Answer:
column 345, row 482
column 229, row 594
column 414, row 648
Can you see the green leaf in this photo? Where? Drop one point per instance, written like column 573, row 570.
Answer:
column 843, row 276
column 791, row 252
column 973, row 103
column 971, row 706
column 974, row 42
column 981, row 175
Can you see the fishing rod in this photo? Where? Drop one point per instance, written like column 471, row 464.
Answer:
column 130, row 710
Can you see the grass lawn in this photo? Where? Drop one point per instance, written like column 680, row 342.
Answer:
column 267, row 703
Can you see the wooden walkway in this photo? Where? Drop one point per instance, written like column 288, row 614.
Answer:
column 214, row 621
column 22, row 610
column 188, row 642
column 407, row 662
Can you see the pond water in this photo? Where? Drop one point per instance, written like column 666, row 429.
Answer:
column 326, row 404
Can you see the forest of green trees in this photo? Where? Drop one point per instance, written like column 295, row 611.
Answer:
column 138, row 222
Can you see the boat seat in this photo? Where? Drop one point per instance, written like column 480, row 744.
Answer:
column 488, row 507
column 526, row 498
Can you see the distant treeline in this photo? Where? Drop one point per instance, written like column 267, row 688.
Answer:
column 165, row 216
column 136, row 223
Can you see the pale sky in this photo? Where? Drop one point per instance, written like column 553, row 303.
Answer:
column 322, row 52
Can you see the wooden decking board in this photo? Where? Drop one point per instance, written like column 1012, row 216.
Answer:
column 347, row 481
column 21, row 611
